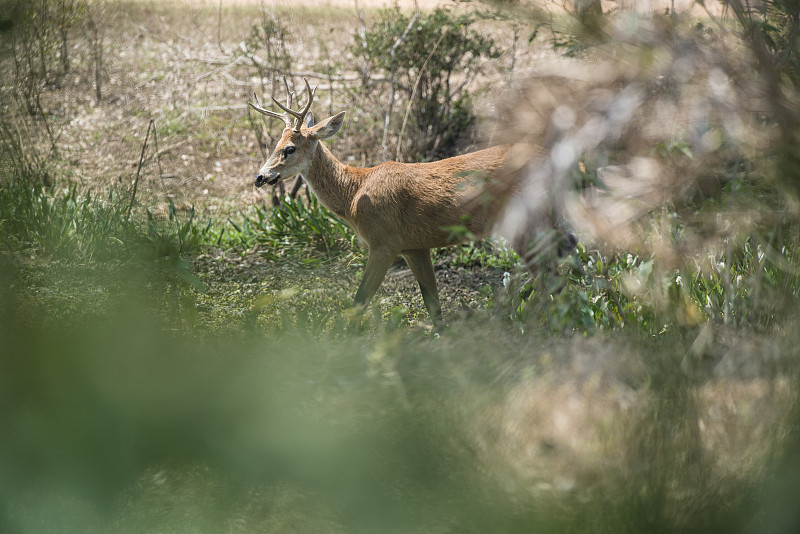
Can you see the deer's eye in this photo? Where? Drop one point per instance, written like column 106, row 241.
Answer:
column 288, row 150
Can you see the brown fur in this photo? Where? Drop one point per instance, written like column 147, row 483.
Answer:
column 401, row 208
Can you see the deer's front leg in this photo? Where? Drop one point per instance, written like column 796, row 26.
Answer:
column 420, row 263
column 378, row 263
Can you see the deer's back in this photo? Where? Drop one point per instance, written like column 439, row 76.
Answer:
column 416, row 205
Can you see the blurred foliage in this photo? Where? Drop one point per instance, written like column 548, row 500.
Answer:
column 435, row 61
column 122, row 422
column 627, row 392
column 779, row 24
column 693, row 214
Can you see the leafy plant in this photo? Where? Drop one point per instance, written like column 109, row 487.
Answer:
column 587, row 294
column 436, row 60
column 296, row 229
column 485, row 253
column 779, row 24
column 64, row 223
column 749, row 285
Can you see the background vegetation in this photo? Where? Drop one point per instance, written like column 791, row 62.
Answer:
column 177, row 351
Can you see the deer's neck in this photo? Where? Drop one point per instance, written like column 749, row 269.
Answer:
column 334, row 183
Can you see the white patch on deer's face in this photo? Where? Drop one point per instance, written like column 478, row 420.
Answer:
column 291, row 157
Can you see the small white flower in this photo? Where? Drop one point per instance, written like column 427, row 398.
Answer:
column 506, row 279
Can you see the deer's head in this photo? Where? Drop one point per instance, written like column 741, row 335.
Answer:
column 295, row 149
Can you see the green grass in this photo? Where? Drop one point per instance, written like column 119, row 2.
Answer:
column 67, row 223
column 187, row 373
column 134, row 418
column 605, row 293
column 298, row 229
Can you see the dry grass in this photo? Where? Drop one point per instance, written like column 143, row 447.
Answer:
column 177, row 65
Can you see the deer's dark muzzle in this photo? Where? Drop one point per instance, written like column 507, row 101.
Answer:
column 271, row 180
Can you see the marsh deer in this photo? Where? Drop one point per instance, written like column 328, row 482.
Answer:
column 395, row 208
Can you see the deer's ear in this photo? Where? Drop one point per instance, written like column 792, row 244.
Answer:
column 309, row 119
column 328, row 127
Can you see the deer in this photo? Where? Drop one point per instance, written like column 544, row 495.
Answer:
column 398, row 209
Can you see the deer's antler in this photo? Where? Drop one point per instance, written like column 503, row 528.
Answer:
column 289, row 112
column 300, row 115
column 285, row 117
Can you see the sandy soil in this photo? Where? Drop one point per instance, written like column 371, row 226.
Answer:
column 644, row 6
column 421, row 4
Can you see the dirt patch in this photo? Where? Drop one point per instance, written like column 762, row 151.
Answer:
column 354, row 4
column 251, row 289
column 648, row 6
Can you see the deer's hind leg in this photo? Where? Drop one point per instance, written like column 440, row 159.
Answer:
column 420, row 263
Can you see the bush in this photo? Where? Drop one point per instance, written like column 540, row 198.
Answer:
column 433, row 66
column 266, row 48
column 62, row 223
column 296, row 228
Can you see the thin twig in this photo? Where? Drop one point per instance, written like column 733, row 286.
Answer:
column 414, row 92
column 392, row 86
column 151, row 125
column 167, row 149
column 158, row 152
column 219, row 28
column 220, row 69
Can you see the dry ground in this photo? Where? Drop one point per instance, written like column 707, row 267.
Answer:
column 179, row 64
column 164, row 65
